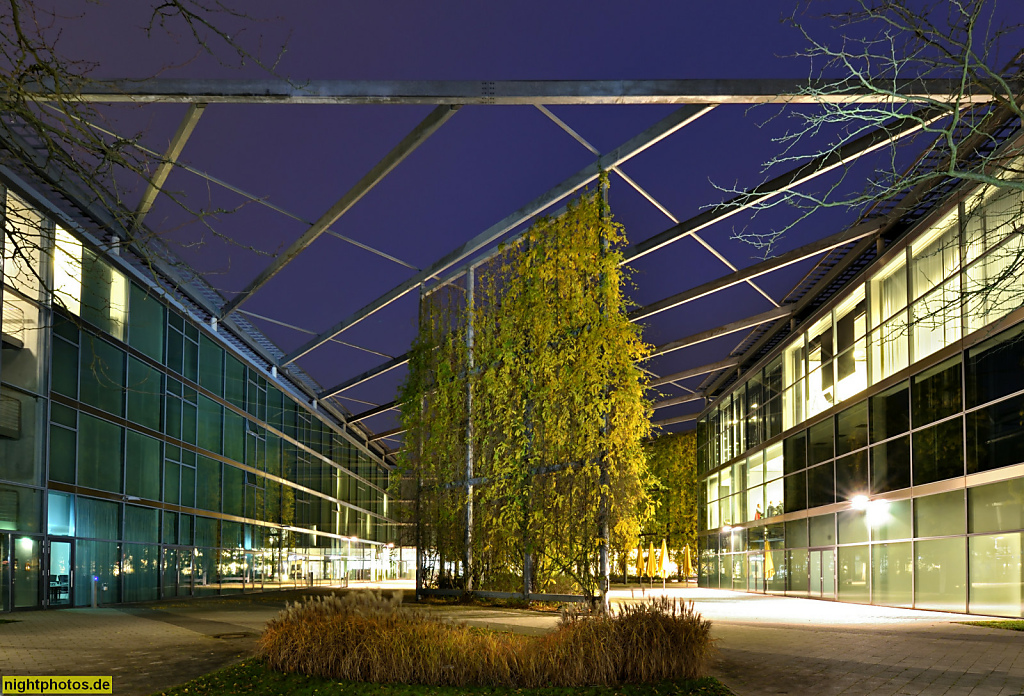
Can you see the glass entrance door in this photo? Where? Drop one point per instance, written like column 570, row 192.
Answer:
column 176, row 572
column 60, row 575
column 26, row 572
column 822, row 570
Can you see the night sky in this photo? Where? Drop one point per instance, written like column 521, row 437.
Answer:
column 486, row 162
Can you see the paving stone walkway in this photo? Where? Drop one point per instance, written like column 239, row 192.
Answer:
column 767, row 645
column 784, row 645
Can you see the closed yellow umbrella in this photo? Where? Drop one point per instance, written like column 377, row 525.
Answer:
column 651, row 569
column 661, row 559
column 687, row 563
column 639, row 559
column 769, row 564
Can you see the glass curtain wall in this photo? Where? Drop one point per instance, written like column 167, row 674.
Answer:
column 908, row 493
column 158, row 460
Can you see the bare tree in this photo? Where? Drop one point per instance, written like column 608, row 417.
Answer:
column 887, row 48
column 70, row 145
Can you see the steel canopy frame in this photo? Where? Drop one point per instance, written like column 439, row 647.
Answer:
column 512, row 92
column 163, row 170
column 662, row 129
column 867, row 143
column 699, row 96
column 427, row 127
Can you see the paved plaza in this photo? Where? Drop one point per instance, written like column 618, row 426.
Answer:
column 767, row 645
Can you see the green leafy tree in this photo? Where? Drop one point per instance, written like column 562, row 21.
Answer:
column 672, row 460
column 558, row 413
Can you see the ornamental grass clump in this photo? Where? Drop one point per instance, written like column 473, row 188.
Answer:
column 365, row 637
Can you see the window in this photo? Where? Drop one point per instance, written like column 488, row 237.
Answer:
column 22, row 248
column 821, row 441
column 211, row 366
column 940, row 581
column 102, row 375
column 795, row 486
column 892, row 572
column 935, row 255
column 995, row 435
column 889, row 291
column 852, row 475
column 211, row 415
column 889, row 348
column 996, row 582
column 995, row 367
column 993, row 282
column 935, row 393
column 146, row 333
column 208, row 484
column 93, row 290
column 851, row 345
column 99, row 454
column 938, row 452
column 890, row 465
column 943, row 514
column 821, row 485
column 142, row 470
column 852, row 428
column 145, row 391
column 996, row 507
column 890, row 412
column 820, row 376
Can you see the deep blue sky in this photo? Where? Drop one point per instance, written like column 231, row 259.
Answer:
column 482, row 165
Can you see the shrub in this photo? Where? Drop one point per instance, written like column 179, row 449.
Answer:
column 364, row 637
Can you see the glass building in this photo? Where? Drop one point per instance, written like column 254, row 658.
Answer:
column 146, row 452
column 877, row 454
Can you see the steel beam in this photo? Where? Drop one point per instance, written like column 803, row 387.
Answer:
column 852, row 234
column 163, row 169
column 386, row 434
column 375, row 411
column 659, row 131
column 293, row 327
column 696, row 371
column 259, row 200
column 651, row 199
column 366, row 376
column 725, row 329
column 678, row 419
column 427, row 127
column 676, row 400
column 511, row 92
column 863, row 145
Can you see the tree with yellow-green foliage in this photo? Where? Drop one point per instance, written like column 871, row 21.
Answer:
column 559, row 413
column 672, row 460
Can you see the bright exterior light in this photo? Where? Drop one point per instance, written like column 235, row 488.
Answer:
column 878, row 512
column 26, row 544
column 726, row 528
column 859, row 502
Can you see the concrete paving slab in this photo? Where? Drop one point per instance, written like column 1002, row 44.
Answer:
column 767, row 645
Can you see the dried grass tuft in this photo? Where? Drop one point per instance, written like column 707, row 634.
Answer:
column 365, row 637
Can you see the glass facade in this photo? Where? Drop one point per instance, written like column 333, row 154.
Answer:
column 145, row 454
column 901, row 436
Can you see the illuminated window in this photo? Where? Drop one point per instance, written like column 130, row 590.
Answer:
column 851, row 346
column 22, row 248
column 67, row 271
column 87, row 286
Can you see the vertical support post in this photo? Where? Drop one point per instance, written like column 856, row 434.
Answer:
column 467, row 567
column 419, row 482
column 604, row 513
